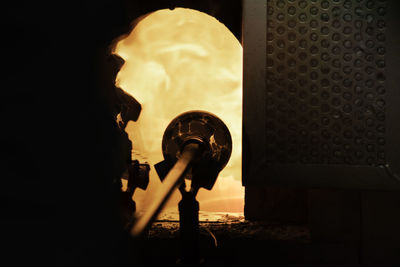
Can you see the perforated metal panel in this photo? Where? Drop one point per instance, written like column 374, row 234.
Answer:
column 325, row 81
column 321, row 97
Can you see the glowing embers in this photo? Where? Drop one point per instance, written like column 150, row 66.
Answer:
column 180, row 60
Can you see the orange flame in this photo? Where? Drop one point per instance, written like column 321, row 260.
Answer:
column 175, row 61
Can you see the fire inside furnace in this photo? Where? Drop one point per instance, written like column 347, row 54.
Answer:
column 176, row 61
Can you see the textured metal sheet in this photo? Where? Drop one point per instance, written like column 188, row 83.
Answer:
column 330, row 96
column 326, row 76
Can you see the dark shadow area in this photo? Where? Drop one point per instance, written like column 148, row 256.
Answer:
column 61, row 146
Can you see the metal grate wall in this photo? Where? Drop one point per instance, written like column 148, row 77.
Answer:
column 325, row 82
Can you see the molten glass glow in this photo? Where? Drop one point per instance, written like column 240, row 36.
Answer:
column 176, row 61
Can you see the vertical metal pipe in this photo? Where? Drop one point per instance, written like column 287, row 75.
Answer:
column 189, row 227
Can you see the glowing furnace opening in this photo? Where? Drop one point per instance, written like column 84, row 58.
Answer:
column 175, row 61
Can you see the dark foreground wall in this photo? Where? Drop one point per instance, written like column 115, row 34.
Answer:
column 58, row 137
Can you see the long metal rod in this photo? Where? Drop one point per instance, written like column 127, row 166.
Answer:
column 170, row 183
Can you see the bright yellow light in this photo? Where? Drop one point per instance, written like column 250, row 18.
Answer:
column 180, row 60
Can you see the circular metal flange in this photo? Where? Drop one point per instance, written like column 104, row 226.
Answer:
column 206, row 129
